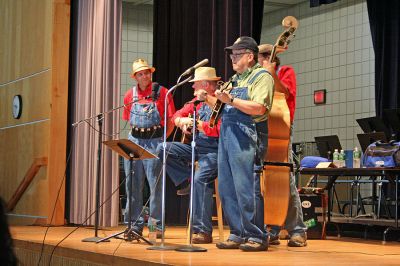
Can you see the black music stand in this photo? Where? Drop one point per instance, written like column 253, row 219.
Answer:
column 132, row 152
column 368, row 138
column 373, row 124
column 327, row 144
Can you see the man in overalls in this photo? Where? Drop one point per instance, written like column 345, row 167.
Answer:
column 179, row 155
column 285, row 82
column 145, row 112
column 242, row 144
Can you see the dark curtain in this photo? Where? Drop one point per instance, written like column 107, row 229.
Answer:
column 188, row 31
column 315, row 3
column 384, row 18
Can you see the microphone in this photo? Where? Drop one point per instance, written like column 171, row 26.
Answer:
column 191, row 69
column 154, row 90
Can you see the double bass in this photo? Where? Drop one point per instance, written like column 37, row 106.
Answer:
column 276, row 171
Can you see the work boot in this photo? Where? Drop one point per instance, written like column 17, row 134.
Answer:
column 183, row 191
column 202, row 238
column 228, row 244
column 274, row 240
column 254, row 246
column 298, row 240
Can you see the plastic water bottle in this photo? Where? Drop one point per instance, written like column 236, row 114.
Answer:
column 336, row 158
column 342, row 158
column 152, row 232
column 356, row 158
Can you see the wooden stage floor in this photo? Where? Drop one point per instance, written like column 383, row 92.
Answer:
column 333, row 251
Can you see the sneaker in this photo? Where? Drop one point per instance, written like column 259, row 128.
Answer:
column 254, row 246
column 202, row 238
column 183, row 191
column 274, row 240
column 228, row 244
column 298, row 240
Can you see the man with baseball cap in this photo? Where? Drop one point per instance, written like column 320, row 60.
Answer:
column 285, row 82
column 144, row 109
column 242, row 144
column 179, row 155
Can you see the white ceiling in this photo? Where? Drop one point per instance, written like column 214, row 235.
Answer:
column 269, row 5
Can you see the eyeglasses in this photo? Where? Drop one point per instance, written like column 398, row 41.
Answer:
column 236, row 57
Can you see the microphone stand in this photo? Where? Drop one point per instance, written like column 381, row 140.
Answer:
column 190, row 247
column 162, row 246
column 99, row 118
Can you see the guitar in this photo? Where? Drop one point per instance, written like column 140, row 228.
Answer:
column 275, row 177
column 218, row 106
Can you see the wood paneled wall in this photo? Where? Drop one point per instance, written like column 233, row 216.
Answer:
column 34, row 52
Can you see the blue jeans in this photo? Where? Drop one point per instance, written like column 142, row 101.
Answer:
column 294, row 219
column 178, row 166
column 239, row 188
column 150, row 168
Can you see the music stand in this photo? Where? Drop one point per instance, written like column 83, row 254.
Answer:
column 368, row 138
column 373, row 124
column 327, row 144
column 132, row 152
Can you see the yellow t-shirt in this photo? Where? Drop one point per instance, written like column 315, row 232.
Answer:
column 261, row 89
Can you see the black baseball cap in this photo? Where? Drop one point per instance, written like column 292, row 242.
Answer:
column 243, row 42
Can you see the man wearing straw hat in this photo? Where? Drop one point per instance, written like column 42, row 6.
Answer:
column 285, row 82
column 179, row 154
column 144, row 109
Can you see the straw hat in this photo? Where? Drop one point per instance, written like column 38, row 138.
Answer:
column 204, row 73
column 265, row 48
column 141, row 64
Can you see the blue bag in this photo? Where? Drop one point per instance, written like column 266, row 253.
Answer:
column 312, row 161
column 382, row 154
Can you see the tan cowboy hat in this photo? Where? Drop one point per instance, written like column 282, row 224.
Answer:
column 204, row 73
column 139, row 65
column 265, row 48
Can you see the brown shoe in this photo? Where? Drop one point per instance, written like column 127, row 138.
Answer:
column 183, row 191
column 254, row 246
column 202, row 238
column 228, row 244
column 298, row 240
column 274, row 240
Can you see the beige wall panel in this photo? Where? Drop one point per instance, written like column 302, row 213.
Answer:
column 19, row 146
column 35, row 92
column 25, row 30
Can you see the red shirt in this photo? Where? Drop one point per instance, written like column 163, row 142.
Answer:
column 147, row 92
column 287, row 76
column 188, row 109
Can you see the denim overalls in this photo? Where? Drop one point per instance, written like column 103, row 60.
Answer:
column 242, row 145
column 178, row 165
column 144, row 115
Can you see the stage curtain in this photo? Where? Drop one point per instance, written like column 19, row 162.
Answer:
column 95, row 88
column 186, row 32
column 384, row 22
